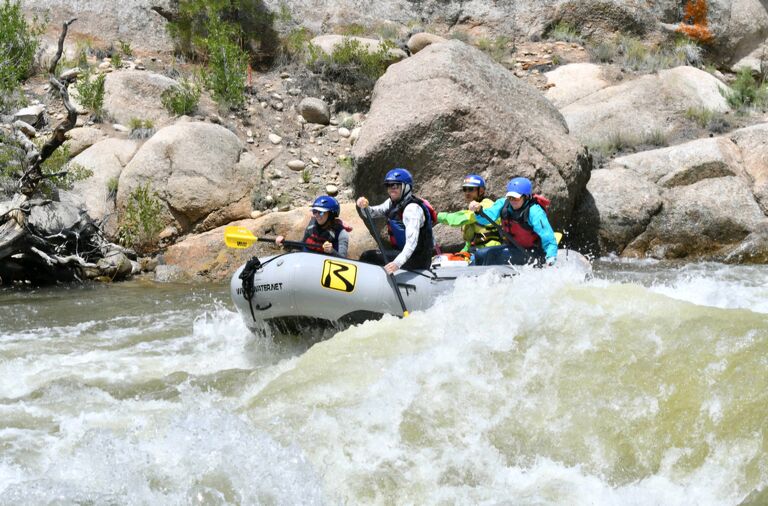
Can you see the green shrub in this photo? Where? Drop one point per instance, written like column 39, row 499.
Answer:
column 251, row 21
column 116, row 59
column 18, row 44
column 351, row 29
column 656, row 137
column 497, row 47
column 564, row 32
column 112, row 185
column 700, row 115
column 604, row 52
column 181, row 99
column 352, row 59
column 91, row 91
column 227, row 65
column 60, row 172
column 141, row 221
column 745, row 92
column 293, row 45
column 306, row 176
column 141, row 128
column 125, row 48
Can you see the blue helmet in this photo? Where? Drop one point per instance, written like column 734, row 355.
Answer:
column 326, row 203
column 519, row 186
column 399, row 176
column 473, row 181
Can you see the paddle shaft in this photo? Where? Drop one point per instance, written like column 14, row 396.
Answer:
column 376, row 236
column 502, row 232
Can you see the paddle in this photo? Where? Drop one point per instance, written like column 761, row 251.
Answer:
column 241, row 238
column 375, row 233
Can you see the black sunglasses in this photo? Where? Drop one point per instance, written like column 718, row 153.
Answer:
column 392, row 185
column 468, row 189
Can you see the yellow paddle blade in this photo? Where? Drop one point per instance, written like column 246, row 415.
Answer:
column 558, row 237
column 238, row 237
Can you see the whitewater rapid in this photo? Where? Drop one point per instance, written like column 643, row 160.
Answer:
column 647, row 384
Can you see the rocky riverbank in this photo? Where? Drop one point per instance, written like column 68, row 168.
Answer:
column 642, row 153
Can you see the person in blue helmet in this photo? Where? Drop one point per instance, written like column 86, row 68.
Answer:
column 409, row 225
column 326, row 233
column 477, row 232
column 526, row 231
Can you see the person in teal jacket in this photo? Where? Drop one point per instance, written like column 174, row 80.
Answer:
column 477, row 232
column 527, row 233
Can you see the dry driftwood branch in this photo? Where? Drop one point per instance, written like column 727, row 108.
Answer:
column 34, row 174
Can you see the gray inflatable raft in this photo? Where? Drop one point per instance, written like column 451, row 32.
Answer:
column 290, row 292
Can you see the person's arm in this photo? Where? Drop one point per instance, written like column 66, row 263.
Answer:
column 455, row 219
column 343, row 244
column 537, row 218
column 413, row 219
column 376, row 211
column 492, row 210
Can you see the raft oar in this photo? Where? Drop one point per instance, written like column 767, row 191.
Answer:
column 375, row 233
column 241, row 238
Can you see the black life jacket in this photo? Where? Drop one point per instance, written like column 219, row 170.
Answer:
column 317, row 235
column 422, row 255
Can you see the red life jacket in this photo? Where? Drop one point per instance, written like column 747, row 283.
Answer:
column 515, row 222
column 317, row 235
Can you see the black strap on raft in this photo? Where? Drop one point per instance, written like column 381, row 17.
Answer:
column 246, row 276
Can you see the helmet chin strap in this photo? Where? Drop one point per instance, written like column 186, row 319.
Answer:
column 406, row 191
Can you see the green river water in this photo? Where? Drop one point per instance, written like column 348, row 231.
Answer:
column 645, row 385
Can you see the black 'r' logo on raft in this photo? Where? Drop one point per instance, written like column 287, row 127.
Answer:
column 339, row 276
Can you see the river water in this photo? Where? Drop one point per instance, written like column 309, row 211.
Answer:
column 646, row 385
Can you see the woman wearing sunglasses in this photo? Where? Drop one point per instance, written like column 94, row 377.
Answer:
column 326, row 233
column 477, row 232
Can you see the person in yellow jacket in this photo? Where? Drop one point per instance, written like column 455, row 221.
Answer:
column 477, row 232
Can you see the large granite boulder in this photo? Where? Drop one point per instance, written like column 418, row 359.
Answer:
column 199, row 170
column 643, row 105
column 106, row 159
column 136, row 94
column 701, row 199
column 450, row 110
column 569, row 83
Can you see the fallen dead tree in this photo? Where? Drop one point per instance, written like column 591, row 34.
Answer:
column 43, row 241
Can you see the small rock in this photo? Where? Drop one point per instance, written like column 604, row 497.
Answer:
column 331, row 190
column 269, row 200
column 315, row 110
column 216, row 119
column 334, row 121
column 294, row 92
column 275, row 139
column 276, row 96
column 284, row 208
column 32, row 115
column 263, row 105
column 168, row 232
column 354, row 135
column 249, row 133
column 278, row 106
column 315, row 160
column 276, row 174
column 343, row 132
column 119, row 128
column 285, row 75
column 69, row 74
column 256, row 214
column 26, row 128
column 104, row 65
column 296, row 165
column 249, row 140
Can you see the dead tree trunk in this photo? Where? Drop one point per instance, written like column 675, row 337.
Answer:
column 42, row 241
